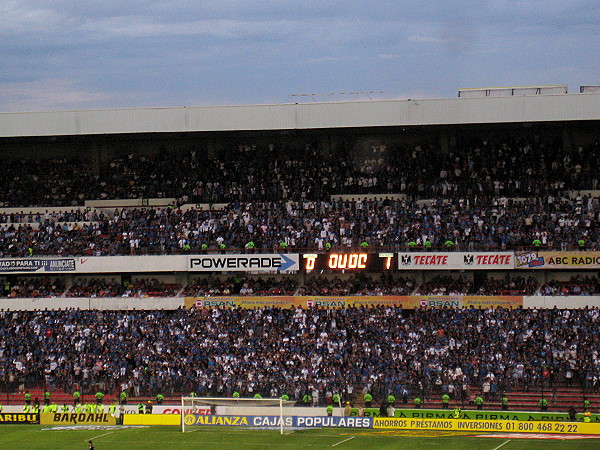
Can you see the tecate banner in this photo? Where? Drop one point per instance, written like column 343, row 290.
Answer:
column 456, row 260
column 244, row 263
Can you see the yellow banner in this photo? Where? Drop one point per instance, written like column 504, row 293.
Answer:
column 77, row 419
column 322, row 302
column 509, row 426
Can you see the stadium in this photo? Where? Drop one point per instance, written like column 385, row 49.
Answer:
column 382, row 274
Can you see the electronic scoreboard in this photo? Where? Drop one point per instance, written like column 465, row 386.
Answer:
column 368, row 262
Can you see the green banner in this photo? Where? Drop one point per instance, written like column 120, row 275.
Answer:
column 476, row 414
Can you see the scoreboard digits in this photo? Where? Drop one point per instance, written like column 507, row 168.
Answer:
column 348, row 261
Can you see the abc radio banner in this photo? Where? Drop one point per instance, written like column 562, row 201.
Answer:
column 407, row 302
column 455, row 260
column 557, row 260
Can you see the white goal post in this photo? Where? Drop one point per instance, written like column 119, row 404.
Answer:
column 273, row 413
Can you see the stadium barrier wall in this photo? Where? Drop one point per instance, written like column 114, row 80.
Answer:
column 77, row 419
column 561, row 302
column 152, row 419
column 97, row 303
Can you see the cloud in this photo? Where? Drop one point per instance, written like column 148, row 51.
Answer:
column 46, row 94
column 428, row 39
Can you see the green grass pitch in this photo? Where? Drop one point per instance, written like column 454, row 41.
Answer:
column 166, row 438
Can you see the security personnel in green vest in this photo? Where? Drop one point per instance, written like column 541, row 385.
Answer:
column 391, row 400
column 285, row 397
column 283, row 246
column 46, row 398
column 149, row 407
column 186, row 247
column 587, row 416
column 479, row 402
column 581, row 244
column 123, row 397
column 193, row 394
column 427, row 245
column 112, row 408
column 46, row 409
column 26, row 408
column 35, row 409
column 99, row 397
column 0, row 408
column 159, row 399
column 250, row 246
column 54, row 408
column 76, row 397
column 445, row 401
column 327, row 246
column 456, row 413
column 78, row 408
column 536, row 244
column 204, row 248
column 417, row 402
column 449, row 245
column 64, row 409
column 88, row 408
column 586, row 403
column 140, row 408
column 222, row 247
column 306, row 399
column 504, row 402
column 257, row 396
column 412, row 245
column 6, row 288
column 543, row 404
column 364, row 245
column 335, row 398
column 330, row 410
column 236, row 394
column 368, row 398
column 27, row 397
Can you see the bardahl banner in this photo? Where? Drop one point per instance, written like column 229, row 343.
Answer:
column 557, row 260
column 486, row 425
column 77, row 419
column 456, row 260
column 406, row 302
column 283, row 262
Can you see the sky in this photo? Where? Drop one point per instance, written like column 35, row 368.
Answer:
column 82, row 54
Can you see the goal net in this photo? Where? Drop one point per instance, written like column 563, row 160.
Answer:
column 237, row 412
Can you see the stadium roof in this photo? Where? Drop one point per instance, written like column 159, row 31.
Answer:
column 356, row 114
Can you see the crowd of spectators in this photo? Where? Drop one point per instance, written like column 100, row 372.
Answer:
column 314, row 285
column 273, row 352
column 500, row 166
column 470, row 224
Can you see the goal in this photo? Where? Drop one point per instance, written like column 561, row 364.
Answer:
column 268, row 413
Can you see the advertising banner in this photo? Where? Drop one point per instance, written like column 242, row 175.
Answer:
column 236, row 421
column 172, row 409
column 406, row 302
column 487, row 425
column 19, row 418
column 557, row 260
column 36, row 265
column 77, row 419
column 245, row 263
column 475, row 415
column 332, row 422
column 455, row 261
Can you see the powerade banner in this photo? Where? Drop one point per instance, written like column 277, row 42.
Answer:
column 557, row 260
column 19, row 418
column 245, row 263
column 456, row 260
column 486, row 425
column 407, row 302
column 30, row 265
column 275, row 421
